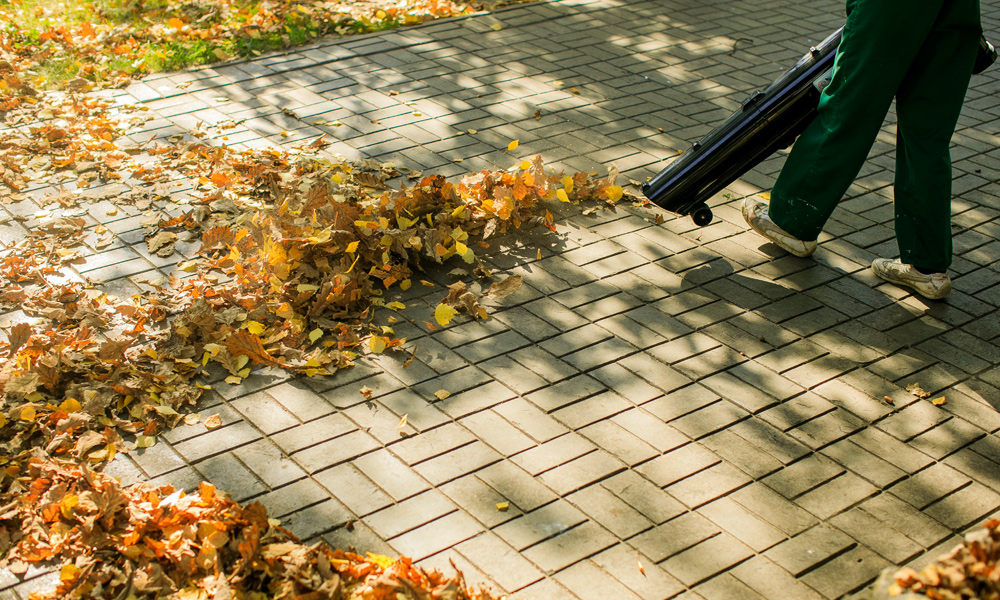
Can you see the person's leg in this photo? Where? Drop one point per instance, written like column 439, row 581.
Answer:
column 928, row 104
column 881, row 40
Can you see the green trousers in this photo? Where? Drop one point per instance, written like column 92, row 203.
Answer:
column 921, row 52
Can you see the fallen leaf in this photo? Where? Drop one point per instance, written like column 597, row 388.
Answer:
column 213, row 421
column 512, row 146
column 503, row 506
column 442, row 394
column 443, row 314
column 402, row 422
column 938, row 401
column 916, row 390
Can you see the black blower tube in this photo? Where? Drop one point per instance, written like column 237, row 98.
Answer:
column 767, row 121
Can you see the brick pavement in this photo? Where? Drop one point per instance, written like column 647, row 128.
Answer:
column 691, row 400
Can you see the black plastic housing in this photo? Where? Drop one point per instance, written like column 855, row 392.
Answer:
column 768, row 121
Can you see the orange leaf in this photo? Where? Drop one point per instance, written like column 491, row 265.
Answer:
column 86, row 29
column 221, row 179
column 244, row 343
column 175, row 23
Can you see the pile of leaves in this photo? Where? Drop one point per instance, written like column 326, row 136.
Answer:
column 46, row 44
column 970, row 571
column 296, row 250
column 145, row 541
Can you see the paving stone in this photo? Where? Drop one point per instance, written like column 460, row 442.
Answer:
column 620, row 442
column 593, row 409
column 773, row 509
column 514, row 484
column 293, row 497
column 885, row 541
column 706, row 559
column 565, row 393
column 229, row 474
column 741, row 523
column 707, row 485
column 770, row 440
column 588, row 581
column 530, row 420
column 796, row 411
column 929, row 485
column 738, row 452
column 647, row 427
column 498, row 560
column 678, row 464
column 580, row 472
column 674, row 536
column 435, row 442
column 864, row 463
column 352, row 488
column 456, row 463
column 947, row 437
column 605, row 508
column 827, row 429
column 681, row 402
column 436, row 536
column 846, row 573
column 966, row 507
column 409, row 514
column 710, row 419
column 313, row 432
column 391, row 474
column 652, row 583
column 808, row 549
column 771, row 581
column 752, row 398
column 836, row 495
column 723, row 587
column 977, row 464
column 540, row 524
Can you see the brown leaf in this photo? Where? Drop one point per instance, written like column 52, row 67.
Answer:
column 162, row 243
column 244, row 343
column 502, row 289
column 18, row 336
column 213, row 421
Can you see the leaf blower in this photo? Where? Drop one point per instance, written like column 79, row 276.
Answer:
column 766, row 122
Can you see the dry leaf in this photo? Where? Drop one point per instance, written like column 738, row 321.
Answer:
column 938, row 401
column 916, row 390
column 503, row 506
column 442, row 394
column 213, row 421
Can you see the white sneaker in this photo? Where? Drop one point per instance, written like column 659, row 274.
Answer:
column 756, row 215
column 934, row 286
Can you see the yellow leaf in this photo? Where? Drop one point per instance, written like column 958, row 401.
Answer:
column 405, row 284
column 765, row 195
column 496, row 27
column 145, row 441
column 352, row 247
column 473, row 132
column 70, row 405
column 567, row 184
column 938, row 401
column 377, row 344
column 503, row 506
column 512, row 146
column 442, row 394
column 396, row 305
column 525, row 165
column 539, row 256
column 443, row 314
column 614, row 192
column 68, row 572
column 28, row 412
column 561, row 194
column 381, row 560
column 285, row 311
column 255, row 328
column 233, row 380
column 315, row 334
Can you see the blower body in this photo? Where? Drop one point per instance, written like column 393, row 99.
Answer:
column 767, row 121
